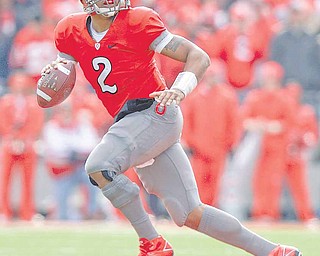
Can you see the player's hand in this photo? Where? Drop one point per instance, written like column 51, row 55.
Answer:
column 53, row 65
column 166, row 97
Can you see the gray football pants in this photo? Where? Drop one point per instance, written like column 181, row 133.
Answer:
column 140, row 137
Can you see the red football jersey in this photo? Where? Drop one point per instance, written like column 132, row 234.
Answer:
column 121, row 66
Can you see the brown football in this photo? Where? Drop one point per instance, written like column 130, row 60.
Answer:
column 55, row 87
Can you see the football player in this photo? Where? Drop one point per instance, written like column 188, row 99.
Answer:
column 115, row 46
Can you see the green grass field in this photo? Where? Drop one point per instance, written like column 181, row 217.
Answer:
column 109, row 239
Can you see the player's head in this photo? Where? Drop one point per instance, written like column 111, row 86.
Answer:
column 107, row 8
column 242, row 14
column 271, row 74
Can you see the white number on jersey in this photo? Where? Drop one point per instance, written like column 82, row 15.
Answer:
column 106, row 70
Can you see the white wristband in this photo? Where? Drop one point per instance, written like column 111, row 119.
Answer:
column 185, row 81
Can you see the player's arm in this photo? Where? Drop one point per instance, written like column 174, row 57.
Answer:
column 196, row 63
column 196, row 60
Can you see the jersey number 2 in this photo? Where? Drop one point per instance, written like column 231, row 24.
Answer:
column 105, row 69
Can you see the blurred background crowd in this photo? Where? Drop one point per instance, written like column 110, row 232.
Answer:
column 251, row 126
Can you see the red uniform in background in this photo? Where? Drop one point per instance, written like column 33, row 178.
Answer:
column 267, row 110
column 57, row 9
column 210, row 131
column 20, row 126
column 302, row 134
column 241, row 43
column 275, row 3
column 32, row 48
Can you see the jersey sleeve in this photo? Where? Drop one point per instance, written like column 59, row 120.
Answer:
column 153, row 27
column 63, row 37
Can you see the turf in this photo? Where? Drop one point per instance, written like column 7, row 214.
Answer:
column 107, row 239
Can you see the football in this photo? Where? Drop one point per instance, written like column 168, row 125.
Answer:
column 54, row 87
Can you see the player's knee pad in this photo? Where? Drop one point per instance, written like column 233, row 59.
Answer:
column 121, row 191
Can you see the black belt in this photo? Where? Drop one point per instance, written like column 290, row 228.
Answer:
column 132, row 106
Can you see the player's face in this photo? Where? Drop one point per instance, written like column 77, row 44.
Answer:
column 105, row 7
column 107, row 3
column 100, row 3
